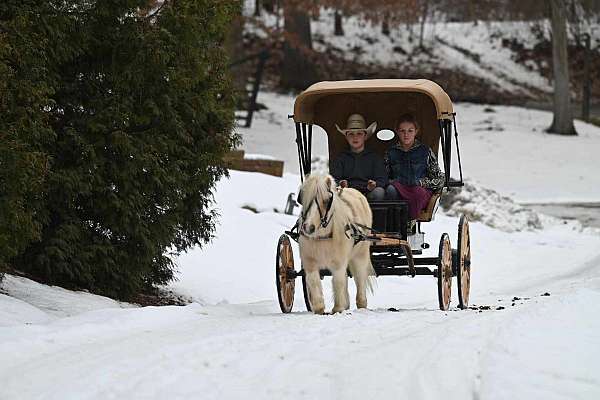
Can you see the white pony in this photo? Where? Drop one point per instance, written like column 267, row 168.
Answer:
column 325, row 241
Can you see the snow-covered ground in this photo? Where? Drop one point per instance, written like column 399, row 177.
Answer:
column 233, row 342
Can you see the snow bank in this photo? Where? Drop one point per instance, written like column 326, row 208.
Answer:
column 25, row 301
column 53, row 300
column 490, row 208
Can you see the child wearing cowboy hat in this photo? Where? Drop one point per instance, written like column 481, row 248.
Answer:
column 358, row 167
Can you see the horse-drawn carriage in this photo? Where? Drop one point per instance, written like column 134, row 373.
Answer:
column 393, row 249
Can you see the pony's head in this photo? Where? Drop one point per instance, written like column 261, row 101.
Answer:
column 317, row 198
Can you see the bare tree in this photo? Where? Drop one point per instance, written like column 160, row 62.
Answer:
column 423, row 19
column 562, row 122
column 338, row 29
column 257, row 8
column 385, row 24
column 297, row 70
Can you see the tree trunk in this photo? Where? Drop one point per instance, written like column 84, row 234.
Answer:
column 257, row 8
column 423, row 19
column 587, row 82
column 385, row 26
column 234, row 44
column 269, row 5
column 562, row 122
column 338, row 29
column 298, row 72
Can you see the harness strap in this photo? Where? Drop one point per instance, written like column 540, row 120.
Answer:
column 366, row 227
column 324, row 220
column 294, row 233
column 356, row 233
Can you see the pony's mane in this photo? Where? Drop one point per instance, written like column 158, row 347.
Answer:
column 315, row 186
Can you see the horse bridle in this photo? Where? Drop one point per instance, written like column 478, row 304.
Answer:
column 323, row 216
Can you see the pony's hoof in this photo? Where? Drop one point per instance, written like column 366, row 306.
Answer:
column 320, row 310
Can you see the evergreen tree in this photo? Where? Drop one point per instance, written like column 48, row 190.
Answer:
column 24, row 91
column 141, row 113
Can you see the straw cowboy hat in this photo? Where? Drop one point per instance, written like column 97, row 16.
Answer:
column 356, row 123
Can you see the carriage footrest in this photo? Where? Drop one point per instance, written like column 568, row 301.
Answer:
column 416, row 241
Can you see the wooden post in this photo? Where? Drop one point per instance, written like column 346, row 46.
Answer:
column 587, row 83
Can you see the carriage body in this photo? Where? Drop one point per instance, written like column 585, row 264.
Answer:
column 393, row 249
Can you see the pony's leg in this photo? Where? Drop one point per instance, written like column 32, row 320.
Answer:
column 361, row 275
column 315, row 290
column 340, row 290
column 360, row 266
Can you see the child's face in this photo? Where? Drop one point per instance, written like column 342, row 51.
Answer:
column 356, row 140
column 407, row 131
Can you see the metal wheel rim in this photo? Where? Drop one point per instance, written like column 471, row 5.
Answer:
column 305, row 293
column 286, row 287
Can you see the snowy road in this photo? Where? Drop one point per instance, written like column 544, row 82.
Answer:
column 545, row 347
column 587, row 213
column 540, row 347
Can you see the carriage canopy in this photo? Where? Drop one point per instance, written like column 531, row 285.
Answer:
column 380, row 100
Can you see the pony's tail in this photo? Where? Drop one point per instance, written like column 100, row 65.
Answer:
column 371, row 279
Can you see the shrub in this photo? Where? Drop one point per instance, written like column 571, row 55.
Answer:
column 140, row 113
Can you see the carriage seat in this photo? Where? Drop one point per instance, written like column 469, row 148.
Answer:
column 427, row 214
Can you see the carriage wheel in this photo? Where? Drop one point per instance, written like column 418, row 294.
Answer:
column 305, row 292
column 463, row 273
column 284, row 263
column 444, row 272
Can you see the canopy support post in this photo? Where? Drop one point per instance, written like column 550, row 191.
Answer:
column 310, row 144
column 300, row 150
column 457, row 147
column 443, row 128
column 449, row 147
column 307, row 143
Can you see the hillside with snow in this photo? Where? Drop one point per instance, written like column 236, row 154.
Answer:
column 500, row 62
